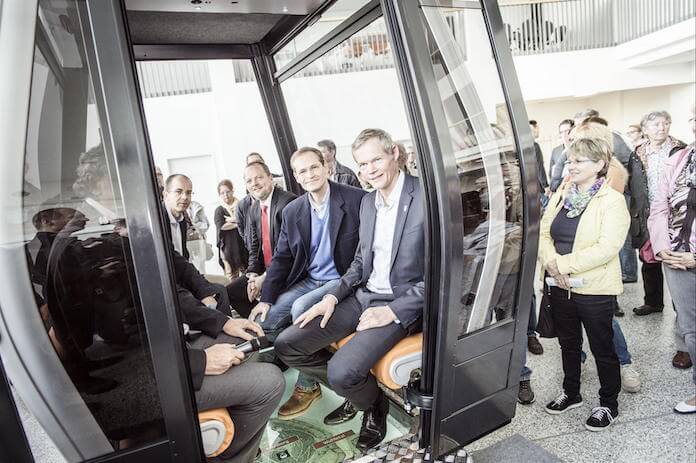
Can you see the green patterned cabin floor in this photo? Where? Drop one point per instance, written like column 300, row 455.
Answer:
column 306, row 439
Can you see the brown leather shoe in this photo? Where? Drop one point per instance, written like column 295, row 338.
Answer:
column 682, row 360
column 298, row 403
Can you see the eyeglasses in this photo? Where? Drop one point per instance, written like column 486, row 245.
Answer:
column 226, row 193
column 576, row 161
column 179, row 192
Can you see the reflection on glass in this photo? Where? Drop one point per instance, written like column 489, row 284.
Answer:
column 487, row 163
column 337, row 13
column 76, row 241
column 338, row 107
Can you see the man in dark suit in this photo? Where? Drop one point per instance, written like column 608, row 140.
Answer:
column 380, row 296
column 317, row 242
column 558, row 156
column 265, row 216
column 339, row 173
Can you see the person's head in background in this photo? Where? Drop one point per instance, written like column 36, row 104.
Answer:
column 534, row 126
column 259, row 181
column 226, row 191
column 582, row 115
column 564, row 130
column 254, row 157
column 634, row 134
column 328, row 150
column 656, row 125
column 178, row 192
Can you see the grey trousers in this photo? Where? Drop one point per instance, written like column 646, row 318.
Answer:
column 682, row 286
column 250, row 392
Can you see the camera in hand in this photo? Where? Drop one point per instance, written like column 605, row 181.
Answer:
column 254, row 345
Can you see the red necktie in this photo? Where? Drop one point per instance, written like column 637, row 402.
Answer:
column 266, row 237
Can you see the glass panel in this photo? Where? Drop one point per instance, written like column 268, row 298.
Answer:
column 331, row 18
column 339, row 106
column 76, row 240
column 230, row 123
column 487, row 162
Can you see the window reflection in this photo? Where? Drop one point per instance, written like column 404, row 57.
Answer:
column 76, row 241
column 487, row 163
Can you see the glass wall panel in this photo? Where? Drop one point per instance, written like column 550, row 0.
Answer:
column 203, row 122
column 337, row 106
column 76, row 240
column 487, row 162
column 329, row 19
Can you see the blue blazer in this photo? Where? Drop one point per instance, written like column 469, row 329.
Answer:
column 293, row 250
column 407, row 261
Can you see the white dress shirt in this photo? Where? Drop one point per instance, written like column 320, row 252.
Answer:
column 320, row 208
column 385, row 223
column 176, row 231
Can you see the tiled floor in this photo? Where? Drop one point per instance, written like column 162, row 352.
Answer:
column 646, row 431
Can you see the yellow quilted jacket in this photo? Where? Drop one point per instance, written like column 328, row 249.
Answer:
column 600, row 235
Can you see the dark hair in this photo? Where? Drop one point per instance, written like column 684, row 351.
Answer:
column 226, row 183
column 328, row 144
column 596, row 120
column 171, row 178
column 305, row 150
column 569, row 122
column 586, row 113
column 533, row 122
column 262, row 165
column 253, row 153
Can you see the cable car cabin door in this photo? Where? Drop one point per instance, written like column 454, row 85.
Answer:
column 90, row 334
column 470, row 124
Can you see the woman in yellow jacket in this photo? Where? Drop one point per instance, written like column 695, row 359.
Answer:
column 581, row 234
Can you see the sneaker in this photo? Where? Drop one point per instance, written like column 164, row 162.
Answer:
column 600, row 419
column 534, row 346
column 630, row 379
column 686, row 406
column 525, row 396
column 563, row 403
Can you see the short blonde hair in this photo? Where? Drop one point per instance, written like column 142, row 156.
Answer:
column 594, row 130
column 594, row 149
column 368, row 134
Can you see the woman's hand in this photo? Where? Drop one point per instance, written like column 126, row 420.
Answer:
column 552, row 268
column 678, row 260
column 563, row 281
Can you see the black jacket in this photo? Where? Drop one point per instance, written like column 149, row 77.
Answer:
column 292, row 255
column 346, row 176
column 279, row 200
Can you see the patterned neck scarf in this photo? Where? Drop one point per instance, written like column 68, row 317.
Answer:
column 576, row 201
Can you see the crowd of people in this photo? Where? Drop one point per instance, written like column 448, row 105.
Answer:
column 605, row 200
column 347, row 257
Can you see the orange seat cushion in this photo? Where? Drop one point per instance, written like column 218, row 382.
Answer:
column 222, row 415
column 408, row 345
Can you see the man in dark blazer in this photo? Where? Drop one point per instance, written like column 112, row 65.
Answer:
column 380, row 296
column 339, row 173
column 264, row 219
column 317, row 242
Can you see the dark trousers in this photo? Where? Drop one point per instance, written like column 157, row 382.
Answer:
column 348, row 370
column 653, row 285
column 595, row 313
column 237, row 294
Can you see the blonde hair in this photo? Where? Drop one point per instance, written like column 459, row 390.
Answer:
column 594, row 130
column 594, row 149
column 368, row 134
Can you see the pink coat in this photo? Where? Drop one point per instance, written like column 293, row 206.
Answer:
column 658, row 222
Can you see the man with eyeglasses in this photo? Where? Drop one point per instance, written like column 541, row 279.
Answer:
column 558, row 154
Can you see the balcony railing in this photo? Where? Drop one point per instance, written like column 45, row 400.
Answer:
column 569, row 25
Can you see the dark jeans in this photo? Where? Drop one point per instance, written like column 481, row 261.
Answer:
column 653, row 285
column 237, row 294
column 629, row 261
column 595, row 313
column 348, row 370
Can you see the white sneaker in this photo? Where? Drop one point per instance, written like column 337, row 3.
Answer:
column 630, row 378
column 684, row 408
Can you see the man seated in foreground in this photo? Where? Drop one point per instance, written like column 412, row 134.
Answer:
column 380, row 297
column 316, row 245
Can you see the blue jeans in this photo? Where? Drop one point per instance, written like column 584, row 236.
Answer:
column 629, row 261
column 299, row 298
column 620, row 345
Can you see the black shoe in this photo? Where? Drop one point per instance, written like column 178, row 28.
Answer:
column 345, row 412
column 646, row 310
column 525, row 396
column 374, row 424
column 534, row 346
column 563, row 403
column 600, row 419
column 618, row 312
